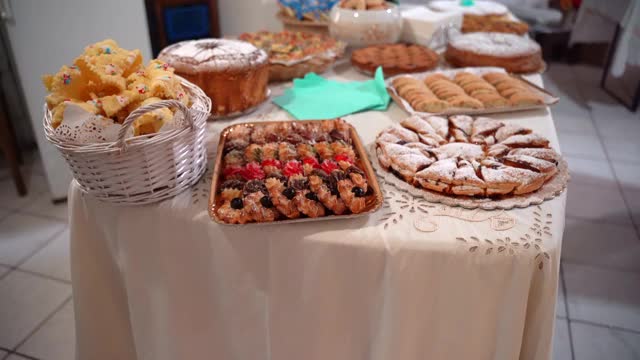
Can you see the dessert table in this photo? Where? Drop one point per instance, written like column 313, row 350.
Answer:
column 414, row 280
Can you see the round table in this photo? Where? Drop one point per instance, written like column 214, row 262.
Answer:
column 414, row 280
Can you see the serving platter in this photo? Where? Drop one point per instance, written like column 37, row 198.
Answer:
column 373, row 201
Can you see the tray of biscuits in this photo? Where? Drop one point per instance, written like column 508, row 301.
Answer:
column 470, row 162
column 291, row 171
column 472, row 91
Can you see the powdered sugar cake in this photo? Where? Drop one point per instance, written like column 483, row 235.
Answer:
column 514, row 53
column 238, row 67
column 488, row 160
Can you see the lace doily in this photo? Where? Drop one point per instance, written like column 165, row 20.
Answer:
column 548, row 191
column 79, row 126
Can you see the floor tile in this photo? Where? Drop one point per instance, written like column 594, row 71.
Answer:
column 53, row 259
column 620, row 149
column 45, row 207
column 4, row 213
column 628, row 174
column 583, row 146
column 3, row 271
column 561, row 341
column 572, row 121
column 597, row 343
column 606, row 245
column 560, row 301
column 619, row 125
column 591, row 172
column 55, row 340
column 633, row 200
column 587, row 74
column 603, row 296
column 9, row 198
column 22, row 234
column 597, row 203
column 25, row 302
column 17, row 357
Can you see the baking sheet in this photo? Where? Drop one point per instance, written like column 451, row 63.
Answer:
column 373, row 201
column 548, row 98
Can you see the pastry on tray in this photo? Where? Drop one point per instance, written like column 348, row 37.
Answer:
column 465, row 90
column 491, row 23
column 395, row 58
column 516, row 54
column 290, row 170
column 294, row 54
column 238, row 67
column 465, row 156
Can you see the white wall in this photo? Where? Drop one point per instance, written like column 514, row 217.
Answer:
column 45, row 35
column 238, row 16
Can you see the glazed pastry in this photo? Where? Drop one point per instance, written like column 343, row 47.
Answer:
column 326, row 189
column 324, row 151
column 232, row 209
column 282, row 196
column 286, row 152
column 257, row 203
column 353, row 197
column 306, row 201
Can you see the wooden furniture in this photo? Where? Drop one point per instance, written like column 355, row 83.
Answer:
column 9, row 148
column 159, row 11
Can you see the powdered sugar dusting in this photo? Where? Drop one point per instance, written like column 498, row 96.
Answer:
column 495, row 44
column 214, row 54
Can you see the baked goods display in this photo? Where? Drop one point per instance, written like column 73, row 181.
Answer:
column 468, row 157
column 291, row 170
column 516, row 54
column 293, row 54
column 395, row 58
column 441, row 92
column 492, row 23
column 238, row 67
column 111, row 82
column 364, row 4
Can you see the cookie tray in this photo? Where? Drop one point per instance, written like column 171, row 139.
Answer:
column 548, row 98
column 373, row 201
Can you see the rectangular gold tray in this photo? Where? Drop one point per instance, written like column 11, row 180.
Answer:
column 373, row 201
column 548, row 98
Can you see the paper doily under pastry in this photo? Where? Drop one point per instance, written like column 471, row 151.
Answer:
column 548, row 191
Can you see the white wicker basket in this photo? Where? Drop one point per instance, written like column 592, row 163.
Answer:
column 142, row 169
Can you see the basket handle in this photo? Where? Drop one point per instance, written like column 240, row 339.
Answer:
column 135, row 114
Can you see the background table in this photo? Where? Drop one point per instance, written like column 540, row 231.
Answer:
column 412, row 281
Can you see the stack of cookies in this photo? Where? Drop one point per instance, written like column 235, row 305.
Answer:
column 438, row 92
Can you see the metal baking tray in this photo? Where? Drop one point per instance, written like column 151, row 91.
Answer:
column 373, row 201
column 548, row 98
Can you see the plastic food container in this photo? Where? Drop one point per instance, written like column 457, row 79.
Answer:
column 360, row 28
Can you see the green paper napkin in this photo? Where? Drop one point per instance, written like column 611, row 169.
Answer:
column 315, row 97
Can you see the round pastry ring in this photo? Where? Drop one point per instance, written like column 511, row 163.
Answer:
column 548, row 191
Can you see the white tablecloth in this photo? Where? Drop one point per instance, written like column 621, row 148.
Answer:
column 165, row 282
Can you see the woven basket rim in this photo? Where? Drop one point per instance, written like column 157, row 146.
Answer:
column 200, row 102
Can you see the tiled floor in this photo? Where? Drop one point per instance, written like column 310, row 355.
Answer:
column 598, row 313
